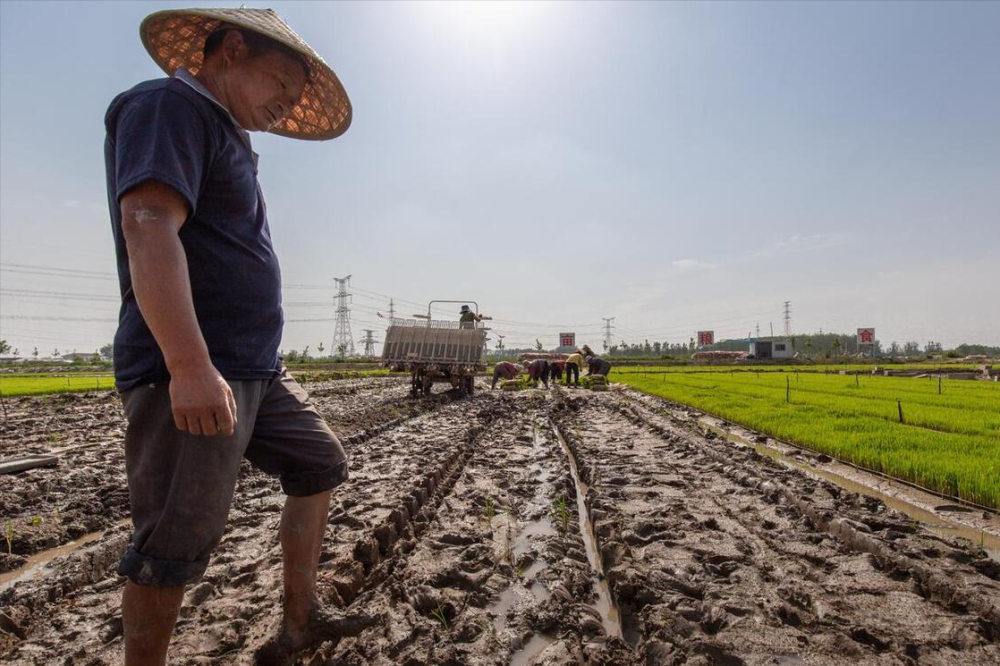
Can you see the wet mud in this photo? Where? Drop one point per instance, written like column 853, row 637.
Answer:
column 534, row 527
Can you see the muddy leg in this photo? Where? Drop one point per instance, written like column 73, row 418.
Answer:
column 303, row 523
column 148, row 616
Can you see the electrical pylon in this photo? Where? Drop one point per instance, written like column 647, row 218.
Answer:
column 343, row 341
column 369, row 342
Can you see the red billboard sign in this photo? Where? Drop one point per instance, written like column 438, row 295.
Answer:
column 706, row 338
column 866, row 336
column 567, row 339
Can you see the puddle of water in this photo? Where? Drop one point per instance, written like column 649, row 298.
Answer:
column 527, row 538
column 540, row 592
column 502, row 606
column 535, row 645
column 536, row 566
column 933, row 522
column 508, row 598
column 36, row 564
column 604, row 604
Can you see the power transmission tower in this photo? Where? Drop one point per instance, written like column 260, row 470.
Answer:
column 607, row 332
column 343, row 341
column 788, row 319
column 758, row 330
column 369, row 342
column 392, row 309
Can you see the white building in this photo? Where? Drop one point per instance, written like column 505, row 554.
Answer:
column 781, row 348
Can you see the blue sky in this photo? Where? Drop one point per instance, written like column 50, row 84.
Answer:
column 677, row 166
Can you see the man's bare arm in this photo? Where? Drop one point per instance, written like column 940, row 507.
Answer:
column 152, row 216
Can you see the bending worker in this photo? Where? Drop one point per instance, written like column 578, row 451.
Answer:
column 573, row 365
column 598, row 366
column 503, row 370
column 539, row 369
column 556, row 370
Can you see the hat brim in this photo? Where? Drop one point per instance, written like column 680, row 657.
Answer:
column 175, row 38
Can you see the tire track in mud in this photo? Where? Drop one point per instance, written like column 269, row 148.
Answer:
column 500, row 575
column 33, row 622
column 718, row 556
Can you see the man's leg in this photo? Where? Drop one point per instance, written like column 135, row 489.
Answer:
column 303, row 523
column 148, row 616
column 496, row 376
column 180, row 488
column 291, row 440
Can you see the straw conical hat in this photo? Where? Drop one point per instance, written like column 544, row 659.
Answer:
column 176, row 38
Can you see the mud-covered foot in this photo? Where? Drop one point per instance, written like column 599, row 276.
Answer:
column 323, row 625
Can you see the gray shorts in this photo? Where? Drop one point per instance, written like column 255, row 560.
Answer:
column 180, row 485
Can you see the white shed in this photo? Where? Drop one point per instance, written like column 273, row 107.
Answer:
column 781, row 348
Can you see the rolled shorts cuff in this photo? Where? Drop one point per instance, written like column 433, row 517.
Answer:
column 153, row 571
column 304, row 484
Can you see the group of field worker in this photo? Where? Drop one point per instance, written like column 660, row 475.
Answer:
column 543, row 370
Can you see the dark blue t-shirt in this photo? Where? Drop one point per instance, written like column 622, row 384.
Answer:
column 165, row 130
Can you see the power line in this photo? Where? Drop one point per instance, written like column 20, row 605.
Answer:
column 57, row 269
column 36, row 318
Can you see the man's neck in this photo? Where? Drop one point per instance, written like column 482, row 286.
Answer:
column 211, row 78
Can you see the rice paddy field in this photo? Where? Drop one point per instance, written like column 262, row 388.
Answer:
column 944, row 437
column 27, row 383
column 838, row 367
column 13, row 384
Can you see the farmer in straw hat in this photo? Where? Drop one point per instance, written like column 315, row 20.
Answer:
column 196, row 352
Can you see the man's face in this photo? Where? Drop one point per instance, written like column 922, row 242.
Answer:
column 261, row 90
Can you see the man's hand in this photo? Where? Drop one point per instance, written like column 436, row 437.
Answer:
column 202, row 402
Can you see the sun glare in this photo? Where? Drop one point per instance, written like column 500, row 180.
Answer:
column 475, row 18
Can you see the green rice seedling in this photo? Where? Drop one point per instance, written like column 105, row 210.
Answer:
column 37, row 520
column 9, row 533
column 439, row 615
column 490, row 510
column 561, row 512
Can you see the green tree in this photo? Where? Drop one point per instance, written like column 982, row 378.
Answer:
column 320, row 348
column 4, row 347
column 538, row 344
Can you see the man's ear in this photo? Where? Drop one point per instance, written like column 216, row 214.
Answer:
column 234, row 47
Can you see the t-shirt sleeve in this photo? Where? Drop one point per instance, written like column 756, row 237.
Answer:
column 162, row 136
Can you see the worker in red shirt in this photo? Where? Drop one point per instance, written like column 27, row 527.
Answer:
column 539, row 369
column 503, row 370
column 556, row 370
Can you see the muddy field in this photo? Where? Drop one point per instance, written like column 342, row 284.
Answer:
column 537, row 527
